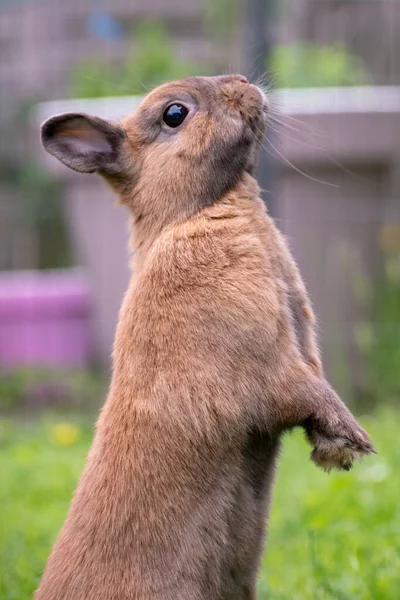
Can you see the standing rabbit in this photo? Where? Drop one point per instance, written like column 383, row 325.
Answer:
column 214, row 357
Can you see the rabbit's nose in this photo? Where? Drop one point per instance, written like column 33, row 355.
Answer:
column 232, row 78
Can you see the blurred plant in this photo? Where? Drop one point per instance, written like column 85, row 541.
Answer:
column 40, row 207
column 311, row 65
column 35, row 389
column 221, row 18
column 35, row 197
column 150, row 60
column 378, row 339
column 35, row 187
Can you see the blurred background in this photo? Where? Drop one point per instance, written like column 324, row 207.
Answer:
column 330, row 171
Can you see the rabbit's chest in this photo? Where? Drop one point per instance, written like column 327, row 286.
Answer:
column 260, row 453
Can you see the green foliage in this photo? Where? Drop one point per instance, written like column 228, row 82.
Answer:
column 336, row 536
column 30, row 389
column 37, row 189
column 38, row 475
column 378, row 339
column 331, row 537
column 39, row 196
column 221, row 17
column 150, row 60
column 311, row 65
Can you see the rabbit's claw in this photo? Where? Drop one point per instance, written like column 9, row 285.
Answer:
column 339, row 447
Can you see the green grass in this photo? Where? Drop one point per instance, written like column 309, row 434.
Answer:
column 333, row 537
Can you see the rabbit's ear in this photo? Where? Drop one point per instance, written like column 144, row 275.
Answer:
column 83, row 143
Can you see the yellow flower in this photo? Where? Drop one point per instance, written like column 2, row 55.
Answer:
column 64, row 434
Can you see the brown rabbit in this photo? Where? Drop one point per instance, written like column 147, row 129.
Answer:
column 214, row 357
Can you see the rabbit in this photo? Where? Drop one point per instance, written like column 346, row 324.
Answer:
column 215, row 357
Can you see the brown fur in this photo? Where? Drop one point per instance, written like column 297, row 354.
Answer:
column 214, row 358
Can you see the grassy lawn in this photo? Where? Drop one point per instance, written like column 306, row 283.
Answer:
column 333, row 537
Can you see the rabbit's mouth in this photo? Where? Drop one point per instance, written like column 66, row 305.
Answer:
column 259, row 115
column 247, row 104
column 245, row 101
column 256, row 122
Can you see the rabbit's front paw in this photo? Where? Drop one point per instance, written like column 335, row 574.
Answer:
column 339, row 446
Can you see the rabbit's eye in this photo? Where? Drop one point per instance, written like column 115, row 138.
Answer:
column 175, row 114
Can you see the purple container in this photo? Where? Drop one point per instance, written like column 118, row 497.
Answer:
column 44, row 318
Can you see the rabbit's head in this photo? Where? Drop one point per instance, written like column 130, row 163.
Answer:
column 187, row 143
